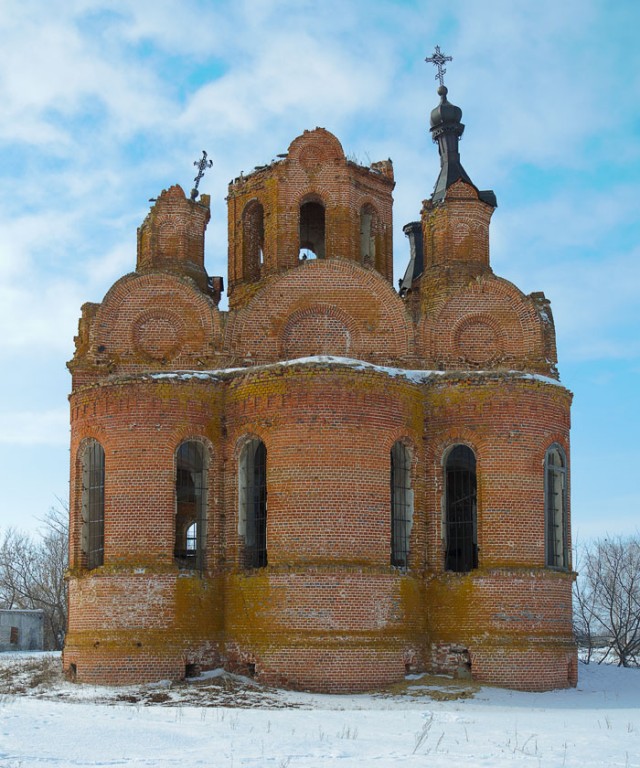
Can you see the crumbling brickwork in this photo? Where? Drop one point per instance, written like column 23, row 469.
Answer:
column 307, row 562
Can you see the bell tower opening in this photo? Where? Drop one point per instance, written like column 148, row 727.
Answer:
column 312, row 231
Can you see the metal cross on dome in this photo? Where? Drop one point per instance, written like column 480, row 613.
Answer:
column 202, row 166
column 439, row 59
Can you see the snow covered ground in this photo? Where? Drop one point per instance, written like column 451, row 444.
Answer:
column 221, row 721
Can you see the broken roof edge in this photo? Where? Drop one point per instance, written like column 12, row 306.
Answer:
column 416, row 376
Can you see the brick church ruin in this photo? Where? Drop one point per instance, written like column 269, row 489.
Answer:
column 333, row 483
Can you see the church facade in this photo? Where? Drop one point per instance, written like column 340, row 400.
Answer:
column 333, row 482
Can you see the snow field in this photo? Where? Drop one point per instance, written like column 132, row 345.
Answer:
column 598, row 724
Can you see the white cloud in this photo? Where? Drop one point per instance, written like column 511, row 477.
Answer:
column 49, row 427
column 105, row 102
column 43, row 315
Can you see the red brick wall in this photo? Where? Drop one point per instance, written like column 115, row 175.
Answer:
column 322, row 307
column 328, row 612
column 328, row 430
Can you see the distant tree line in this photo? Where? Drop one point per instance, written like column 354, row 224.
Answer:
column 32, row 571
column 606, row 600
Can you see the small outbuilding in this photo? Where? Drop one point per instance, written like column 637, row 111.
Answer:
column 21, row 629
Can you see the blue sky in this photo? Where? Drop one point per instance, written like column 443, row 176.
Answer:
column 104, row 104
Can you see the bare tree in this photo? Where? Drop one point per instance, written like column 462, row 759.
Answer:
column 32, row 573
column 607, row 600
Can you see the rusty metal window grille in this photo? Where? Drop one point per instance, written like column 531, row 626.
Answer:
column 190, row 505
column 93, row 504
column 556, row 519
column 401, row 504
column 461, row 528
column 253, row 503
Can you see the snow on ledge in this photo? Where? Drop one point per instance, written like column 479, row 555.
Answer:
column 415, row 376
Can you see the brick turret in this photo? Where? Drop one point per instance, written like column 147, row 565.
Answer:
column 455, row 221
column 311, row 203
column 171, row 238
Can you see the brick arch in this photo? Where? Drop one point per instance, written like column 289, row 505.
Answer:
column 319, row 329
column 179, row 436
column 360, row 298
column 479, row 339
column 155, row 317
column 487, row 324
column 312, row 196
column 401, row 435
column 435, row 459
column 315, row 147
column 453, row 437
column 245, row 437
column 547, row 442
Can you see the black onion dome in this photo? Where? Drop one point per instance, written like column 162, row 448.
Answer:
column 446, row 114
column 446, row 130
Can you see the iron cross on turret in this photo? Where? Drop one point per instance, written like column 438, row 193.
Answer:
column 439, row 60
column 202, row 166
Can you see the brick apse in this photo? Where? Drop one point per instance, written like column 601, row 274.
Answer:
column 334, row 482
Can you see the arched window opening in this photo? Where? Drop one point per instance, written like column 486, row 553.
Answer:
column 192, row 538
column 401, row 504
column 556, row 519
column 461, row 525
column 92, row 535
column 190, row 505
column 368, row 226
column 311, row 231
column 253, row 239
column 252, row 518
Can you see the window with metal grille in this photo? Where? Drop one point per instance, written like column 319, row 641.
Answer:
column 252, row 518
column 556, row 521
column 461, row 528
column 92, row 535
column 401, row 504
column 190, row 504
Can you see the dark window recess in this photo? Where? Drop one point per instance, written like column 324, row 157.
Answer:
column 556, row 518
column 93, row 473
column 312, row 227
column 190, row 505
column 191, row 670
column 461, row 526
column 401, row 504
column 253, row 503
column 13, row 635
